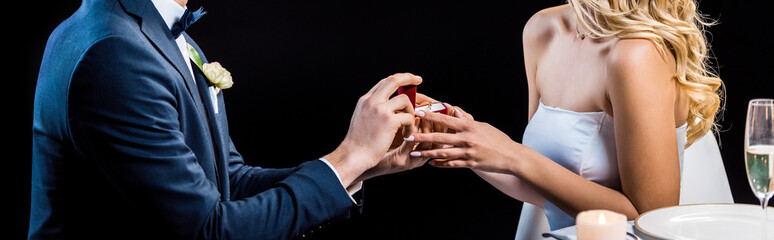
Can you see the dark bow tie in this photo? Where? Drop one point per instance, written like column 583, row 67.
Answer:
column 186, row 20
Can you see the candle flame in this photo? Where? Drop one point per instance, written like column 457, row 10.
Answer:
column 602, row 219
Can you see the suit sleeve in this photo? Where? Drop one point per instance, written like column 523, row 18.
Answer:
column 246, row 181
column 122, row 114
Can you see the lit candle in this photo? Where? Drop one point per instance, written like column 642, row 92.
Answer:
column 601, row 225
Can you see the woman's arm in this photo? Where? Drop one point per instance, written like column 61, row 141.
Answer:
column 509, row 184
column 512, row 186
column 482, row 147
column 642, row 95
column 642, row 92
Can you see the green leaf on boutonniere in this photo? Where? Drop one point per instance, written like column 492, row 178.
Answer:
column 194, row 56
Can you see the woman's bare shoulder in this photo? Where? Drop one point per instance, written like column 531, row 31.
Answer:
column 543, row 26
column 638, row 57
column 541, row 29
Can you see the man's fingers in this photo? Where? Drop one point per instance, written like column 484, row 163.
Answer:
column 439, row 128
column 424, row 99
column 373, row 89
column 414, row 161
column 406, row 120
column 388, row 86
column 402, row 106
column 409, row 130
column 406, row 123
column 400, row 103
column 426, row 127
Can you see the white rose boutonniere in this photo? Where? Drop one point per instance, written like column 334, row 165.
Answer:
column 218, row 76
column 215, row 73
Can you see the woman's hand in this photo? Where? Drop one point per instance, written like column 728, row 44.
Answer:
column 430, row 127
column 475, row 145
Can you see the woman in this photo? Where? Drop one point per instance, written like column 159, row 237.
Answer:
column 608, row 130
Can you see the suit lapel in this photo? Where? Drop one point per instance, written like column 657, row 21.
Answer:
column 204, row 90
column 152, row 25
column 213, row 118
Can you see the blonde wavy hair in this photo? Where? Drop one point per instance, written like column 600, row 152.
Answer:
column 674, row 26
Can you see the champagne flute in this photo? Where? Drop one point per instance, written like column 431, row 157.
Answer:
column 759, row 151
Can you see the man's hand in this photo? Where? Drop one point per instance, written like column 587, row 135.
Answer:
column 397, row 159
column 373, row 126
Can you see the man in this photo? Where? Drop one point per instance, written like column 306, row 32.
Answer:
column 131, row 142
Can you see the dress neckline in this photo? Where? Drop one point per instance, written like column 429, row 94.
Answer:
column 565, row 110
column 558, row 109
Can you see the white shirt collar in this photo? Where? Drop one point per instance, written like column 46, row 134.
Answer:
column 170, row 11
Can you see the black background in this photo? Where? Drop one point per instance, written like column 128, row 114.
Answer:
column 300, row 66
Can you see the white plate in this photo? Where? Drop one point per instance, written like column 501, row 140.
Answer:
column 705, row 222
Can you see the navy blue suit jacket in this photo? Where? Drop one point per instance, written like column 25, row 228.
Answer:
column 126, row 144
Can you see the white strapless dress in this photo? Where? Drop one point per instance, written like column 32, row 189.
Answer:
column 584, row 143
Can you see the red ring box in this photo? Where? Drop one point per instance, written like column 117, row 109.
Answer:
column 411, row 92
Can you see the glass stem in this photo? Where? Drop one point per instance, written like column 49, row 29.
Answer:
column 764, row 205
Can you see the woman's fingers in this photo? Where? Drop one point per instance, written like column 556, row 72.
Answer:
column 448, row 121
column 462, row 113
column 450, row 110
column 438, row 138
column 452, row 163
column 445, row 153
